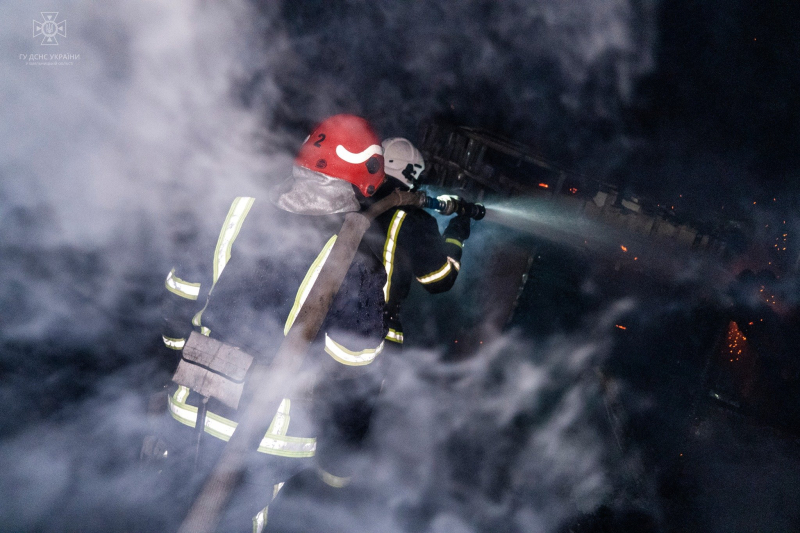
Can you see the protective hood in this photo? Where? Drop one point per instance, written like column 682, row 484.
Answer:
column 306, row 192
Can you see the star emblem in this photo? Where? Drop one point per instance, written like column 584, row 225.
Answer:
column 49, row 28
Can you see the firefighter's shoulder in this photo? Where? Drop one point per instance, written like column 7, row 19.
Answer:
column 420, row 221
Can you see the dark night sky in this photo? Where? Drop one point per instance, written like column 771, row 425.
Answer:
column 711, row 113
column 725, row 92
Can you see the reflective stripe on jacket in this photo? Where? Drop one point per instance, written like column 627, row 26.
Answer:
column 271, row 259
column 275, row 441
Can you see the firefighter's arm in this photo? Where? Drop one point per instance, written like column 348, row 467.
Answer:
column 182, row 292
column 189, row 283
column 178, row 302
column 436, row 259
column 455, row 234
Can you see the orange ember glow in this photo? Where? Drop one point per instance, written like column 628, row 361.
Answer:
column 736, row 342
column 621, row 327
column 544, row 186
column 624, row 248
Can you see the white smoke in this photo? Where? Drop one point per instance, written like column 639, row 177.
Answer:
column 144, row 120
column 517, row 433
column 113, row 166
column 124, row 151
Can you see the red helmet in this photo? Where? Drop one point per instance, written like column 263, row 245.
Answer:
column 345, row 147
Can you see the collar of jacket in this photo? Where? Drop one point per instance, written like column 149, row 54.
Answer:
column 306, row 192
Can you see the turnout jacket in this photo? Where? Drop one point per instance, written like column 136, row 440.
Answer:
column 408, row 241
column 248, row 294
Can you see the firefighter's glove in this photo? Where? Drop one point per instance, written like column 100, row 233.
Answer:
column 458, row 228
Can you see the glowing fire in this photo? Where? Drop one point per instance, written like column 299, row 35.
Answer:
column 736, row 342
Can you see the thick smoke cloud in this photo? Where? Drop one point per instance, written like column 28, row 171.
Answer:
column 113, row 167
column 119, row 154
column 552, row 74
column 116, row 166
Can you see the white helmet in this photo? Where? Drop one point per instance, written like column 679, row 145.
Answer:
column 402, row 160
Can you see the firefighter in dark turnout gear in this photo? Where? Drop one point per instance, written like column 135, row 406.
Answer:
column 271, row 251
column 408, row 240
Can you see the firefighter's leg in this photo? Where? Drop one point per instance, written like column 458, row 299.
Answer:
column 315, row 499
column 251, row 503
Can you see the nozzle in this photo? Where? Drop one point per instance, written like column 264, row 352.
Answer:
column 474, row 211
column 448, row 205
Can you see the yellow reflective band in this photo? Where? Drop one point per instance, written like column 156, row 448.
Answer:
column 308, row 282
column 395, row 336
column 260, row 520
column 182, row 288
column 196, row 321
column 173, row 344
column 230, row 230
column 222, row 253
column 197, row 317
column 182, row 393
column 348, row 357
column 280, row 423
column 454, row 241
column 222, row 428
column 389, row 249
column 438, row 275
column 333, row 481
